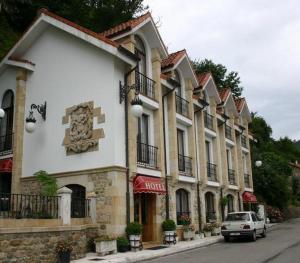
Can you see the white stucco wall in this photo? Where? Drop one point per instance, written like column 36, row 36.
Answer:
column 68, row 72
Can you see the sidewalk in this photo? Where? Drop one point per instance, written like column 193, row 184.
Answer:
column 149, row 254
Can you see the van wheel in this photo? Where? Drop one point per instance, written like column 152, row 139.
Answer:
column 253, row 238
column 226, row 239
column 264, row 233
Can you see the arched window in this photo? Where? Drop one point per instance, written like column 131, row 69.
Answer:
column 140, row 51
column 78, row 206
column 210, row 207
column 6, row 126
column 182, row 204
column 177, row 78
column 230, row 203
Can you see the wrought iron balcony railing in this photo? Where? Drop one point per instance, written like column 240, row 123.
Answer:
column 28, row 206
column 6, row 144
column 182, row 106
column 185, row 165
column 231, row 177
column 212, row 172
column 146, row 155
column 244, row 141
column 247, row 180
column 208, row 121
column 211, row 217
column 228, row 132
column 145, row 85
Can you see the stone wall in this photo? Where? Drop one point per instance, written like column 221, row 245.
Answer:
column 37, row 245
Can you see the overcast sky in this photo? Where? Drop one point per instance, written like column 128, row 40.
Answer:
column 260, row 39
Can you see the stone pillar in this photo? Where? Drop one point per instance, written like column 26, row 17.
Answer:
column 18, row 136
column 64, row 207
column 93, row 207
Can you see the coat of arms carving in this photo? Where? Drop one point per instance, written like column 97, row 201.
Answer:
column 81, row 136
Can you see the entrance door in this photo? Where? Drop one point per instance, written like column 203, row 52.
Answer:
column 144, row 213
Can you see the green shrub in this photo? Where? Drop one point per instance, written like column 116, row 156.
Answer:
column 104, row 238
column 208, row 228
column 168, row 225
column 122, row 244
column 134, row 228
column 47, row 183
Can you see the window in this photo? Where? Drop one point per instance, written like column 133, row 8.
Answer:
column 245, row 164
column 229, row 160
column 140, row 51
column 238, row 217
column 182, row 204
column 178, row 89
column 207, row 148
column 254, row 219
column 143, row 129
column 180, row 141
column 78, row 208
column 210, row 207
column 230, row 203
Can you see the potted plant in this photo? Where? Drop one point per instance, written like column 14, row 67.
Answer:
column 105, row 245
column 216, row 228
column 169, row 228
column 207, row 230
column 122, row 244
column 63, row 250
column 134, row 231
column 188, row 229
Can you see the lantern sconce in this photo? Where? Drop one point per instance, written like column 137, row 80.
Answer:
column 2, row 113
column 30, row 120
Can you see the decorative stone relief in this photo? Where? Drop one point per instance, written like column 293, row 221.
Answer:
column 80, row 136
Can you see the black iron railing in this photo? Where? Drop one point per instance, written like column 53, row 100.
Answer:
column 6, row 144
column 145, row 85
column 228, row 132
column 244, row 141
column 212, row 172
column 247, row 180
column 208, row 121
column 211, row 216
column 28, row 206
column 181, row 216
column 231, row 177
column 182, row 106
column 80, row 207
column 146, row 155
column 185, row 165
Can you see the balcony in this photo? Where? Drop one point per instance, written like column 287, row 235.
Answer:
column 6, row 144
column 231, row 177
column 185, row 165
column 146, row 155
column 228, row 132
column 212, row 172
column 145, row 85
column 208, row 121
column 182, row 106
column 247, row 180
column 244, row 141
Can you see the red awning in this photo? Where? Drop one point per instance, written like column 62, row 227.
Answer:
column 248, row 197
column 147, row 184
column 6, row 165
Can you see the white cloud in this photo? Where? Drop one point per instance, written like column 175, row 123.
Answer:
column 258, row 38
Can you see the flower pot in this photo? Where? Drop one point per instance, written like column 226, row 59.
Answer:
column 169, row 236
column 201, row 235
column 207, row 234
column 187, row 235
column 106, row 247
column 64, row 257
column 216, row 231
column 197, row 236
column 135, row 241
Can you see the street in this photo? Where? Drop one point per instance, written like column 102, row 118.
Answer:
column 282, row 245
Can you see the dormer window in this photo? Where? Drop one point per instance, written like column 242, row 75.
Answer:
column 140, row 51
column 177, row 78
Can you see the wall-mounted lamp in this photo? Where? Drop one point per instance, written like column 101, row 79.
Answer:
column 137, row 104
column 203, row 103
column 258, row 163
column 30, row 120
column 2, row 113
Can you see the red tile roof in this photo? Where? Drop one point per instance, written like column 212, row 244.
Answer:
column 164, row 76
column 21, row 60
column 203, row 78
column 239, row 103
column 78, row 27
column 125, row 27
column 224, row 93
column 172, row 59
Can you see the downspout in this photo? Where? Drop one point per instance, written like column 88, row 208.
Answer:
column 127, row 149
column 165, row 153
column 197, row 173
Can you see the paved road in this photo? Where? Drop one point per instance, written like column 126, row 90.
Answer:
column 282, row 245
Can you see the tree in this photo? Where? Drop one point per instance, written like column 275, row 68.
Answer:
column 222, row 79
column 47, row 183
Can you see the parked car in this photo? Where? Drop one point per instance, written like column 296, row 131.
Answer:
column 243, row 224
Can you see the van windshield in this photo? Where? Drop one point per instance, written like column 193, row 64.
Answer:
column 238, row 217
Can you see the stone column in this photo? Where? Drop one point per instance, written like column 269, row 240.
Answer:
column 64, row 207
column 18, row 136
column 93, row 207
